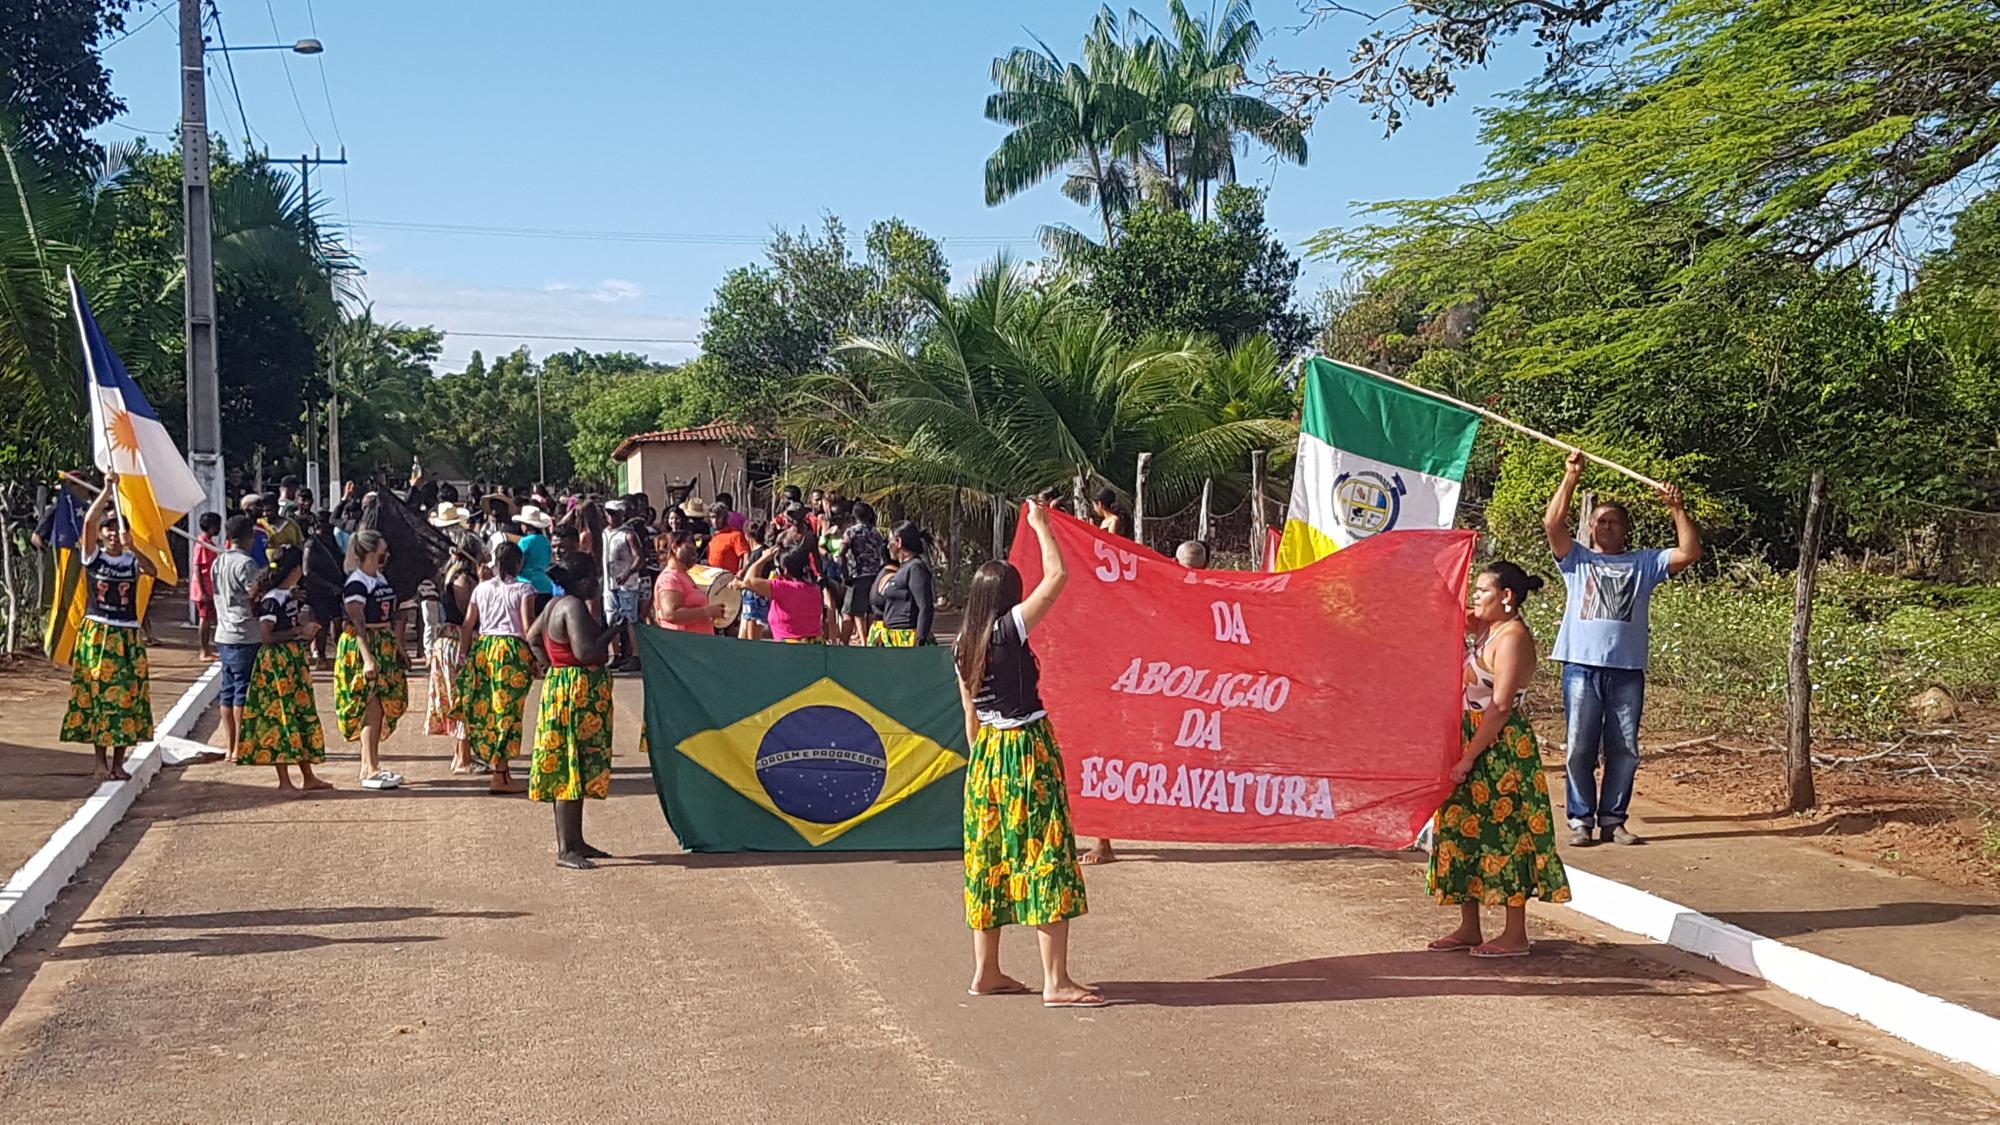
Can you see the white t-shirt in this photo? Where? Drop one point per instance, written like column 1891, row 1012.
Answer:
column 504, row 605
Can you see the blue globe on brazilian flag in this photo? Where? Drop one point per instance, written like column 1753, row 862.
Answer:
column 758, row 746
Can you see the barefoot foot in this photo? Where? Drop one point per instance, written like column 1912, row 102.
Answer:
column 1002, row 985
column 1101, row 853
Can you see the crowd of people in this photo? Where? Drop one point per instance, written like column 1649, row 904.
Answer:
column 557, row 587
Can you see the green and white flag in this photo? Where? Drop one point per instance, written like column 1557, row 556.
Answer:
column 1374, row 456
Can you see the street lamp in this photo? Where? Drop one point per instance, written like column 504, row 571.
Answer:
column 198, row 286
column 302, row 47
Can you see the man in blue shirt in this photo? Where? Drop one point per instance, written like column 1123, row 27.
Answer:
column 1602, row 647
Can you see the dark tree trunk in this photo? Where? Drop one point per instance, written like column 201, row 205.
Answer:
column 1800, row 795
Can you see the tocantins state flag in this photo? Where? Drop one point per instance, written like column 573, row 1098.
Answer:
column 760, row 746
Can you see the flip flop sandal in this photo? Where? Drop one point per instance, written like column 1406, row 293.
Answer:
column 381, row 781
column 1447, row 945
column 1021, row 991
column 1492, row 954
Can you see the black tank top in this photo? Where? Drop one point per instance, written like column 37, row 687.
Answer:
column 1012, row 687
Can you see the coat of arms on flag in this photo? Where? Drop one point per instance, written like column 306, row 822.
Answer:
column 771, row 747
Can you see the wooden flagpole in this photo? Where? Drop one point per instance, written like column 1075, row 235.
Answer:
column 1507, row 422
column 96, row 403
column 176, row 528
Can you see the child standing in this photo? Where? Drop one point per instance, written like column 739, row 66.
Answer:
column 201, row 583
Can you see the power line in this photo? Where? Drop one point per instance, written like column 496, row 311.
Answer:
column 635, row 236
column 326, row 91
column 229, row 67
column 312, row 22
column 580, row 339
column 283, row 58
column 163, row 9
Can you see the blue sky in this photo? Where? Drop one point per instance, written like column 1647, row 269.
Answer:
column 702, row 125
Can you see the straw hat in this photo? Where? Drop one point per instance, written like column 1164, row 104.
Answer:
column 449, row 514
column 694, row 509
column 533, row 517
column 499, row 496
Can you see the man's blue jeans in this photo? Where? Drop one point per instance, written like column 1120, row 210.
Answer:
column 1602, row 706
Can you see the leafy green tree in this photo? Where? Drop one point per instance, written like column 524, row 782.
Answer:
column 773, row 323
column 1227, row 277
column 53, row 83
column 655, row 398
column 1634, row 268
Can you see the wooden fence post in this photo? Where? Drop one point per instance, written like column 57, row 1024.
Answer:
column 1139, row 500
column 957, row 556
column 1586, row 519
column 1207, row 498
column 999, row 526
column 7, row 572
column 1257, row 509
column 1798, row 745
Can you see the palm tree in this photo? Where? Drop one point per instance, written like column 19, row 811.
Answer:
column 1067, row 116
column 1194, row 74
column 1020, row 387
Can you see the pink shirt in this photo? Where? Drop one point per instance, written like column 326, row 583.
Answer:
column 692, row 597
column 202, row 589
column 795, row 609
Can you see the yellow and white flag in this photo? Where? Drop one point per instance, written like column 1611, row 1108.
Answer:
column 155, row 486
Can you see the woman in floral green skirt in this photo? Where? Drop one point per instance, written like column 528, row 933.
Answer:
column 1495, row 841
column 1020, row 853
column 110, row 689
column 571, row 760
column 370, row 686
column 281, row 725
column 493, row 685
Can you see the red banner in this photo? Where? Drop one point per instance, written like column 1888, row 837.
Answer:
column 1318, row 705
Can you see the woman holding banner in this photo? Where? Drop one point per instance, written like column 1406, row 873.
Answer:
column 1495, row 837
column 110, row 690
column 1020, row 853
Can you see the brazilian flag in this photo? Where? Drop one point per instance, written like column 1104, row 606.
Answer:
column 761, row 746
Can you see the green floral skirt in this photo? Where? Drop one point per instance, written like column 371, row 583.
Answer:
column 280, row 720
column 1495, row 841
column 1020, row 855
column 353, row 687
column 573, row 736
column 492, row 690
column 881, row 636
column 110, row 687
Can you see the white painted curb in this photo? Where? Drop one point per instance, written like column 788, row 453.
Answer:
column 32, row 890
column 1936, row 1025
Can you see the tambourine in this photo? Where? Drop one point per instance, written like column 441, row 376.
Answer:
column 723, row 589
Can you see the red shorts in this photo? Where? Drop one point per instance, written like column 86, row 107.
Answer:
column 204, row 611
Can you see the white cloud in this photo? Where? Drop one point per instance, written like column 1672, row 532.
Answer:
column 610, row 291
column 612, row 313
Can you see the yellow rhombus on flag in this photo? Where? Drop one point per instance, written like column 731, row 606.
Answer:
column 823, row 760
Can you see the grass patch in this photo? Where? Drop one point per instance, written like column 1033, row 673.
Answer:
column 1720, row 648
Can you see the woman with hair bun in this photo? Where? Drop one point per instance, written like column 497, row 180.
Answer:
column 1494, row 840
column 904, row 595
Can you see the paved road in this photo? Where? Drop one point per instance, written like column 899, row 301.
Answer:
column 417, row 957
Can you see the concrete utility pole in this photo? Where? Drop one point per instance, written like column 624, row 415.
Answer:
column 204, row 402
column 331, row 495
